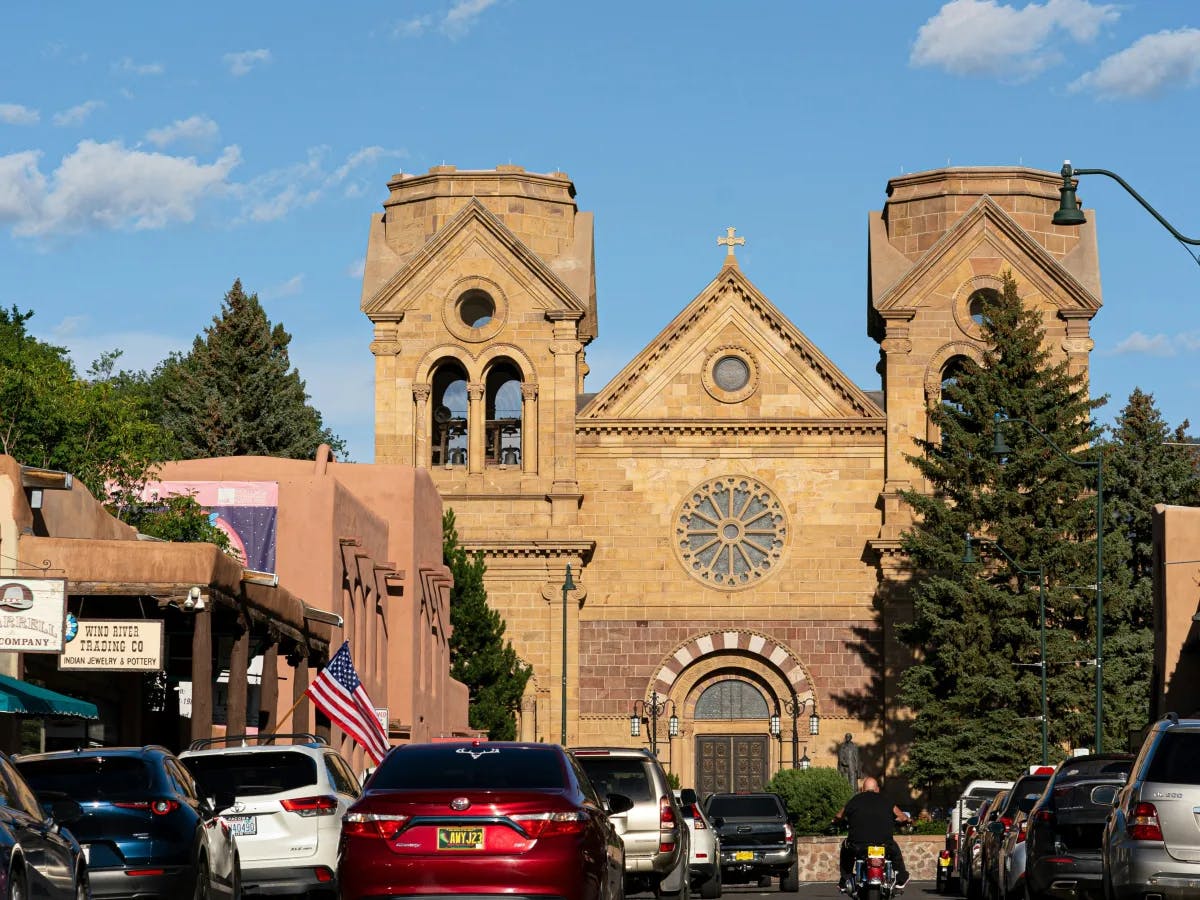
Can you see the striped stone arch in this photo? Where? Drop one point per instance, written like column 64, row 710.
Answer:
column 714, row 643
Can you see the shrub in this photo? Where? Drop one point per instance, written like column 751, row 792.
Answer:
column 813, row 796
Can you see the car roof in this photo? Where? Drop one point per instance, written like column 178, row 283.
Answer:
column 639, row 752
column 309, row 749
column 81, row 752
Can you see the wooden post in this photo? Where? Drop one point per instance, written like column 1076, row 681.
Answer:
column 268, row 690
column 202, row 676
column 235, row 705
column 299, row 686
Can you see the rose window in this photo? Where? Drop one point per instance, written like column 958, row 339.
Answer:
column 730, row 532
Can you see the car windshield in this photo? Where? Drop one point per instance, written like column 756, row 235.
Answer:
column 450, row 766
column 252, row 773
column 1174, row 761
column 614, row 775
column 87, row 778
column 748, row 806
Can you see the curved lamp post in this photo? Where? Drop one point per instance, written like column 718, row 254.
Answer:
column 650, row 711
column 1040, row 572
column 1000, row 448
column 1069, row 212
column 795, row 707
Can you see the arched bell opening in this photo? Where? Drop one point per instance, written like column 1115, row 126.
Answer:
column 449, row 437
column 502, row 414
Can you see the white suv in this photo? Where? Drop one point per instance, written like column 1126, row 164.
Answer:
column 287, row 815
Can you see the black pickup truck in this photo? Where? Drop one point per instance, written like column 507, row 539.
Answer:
column 757, row 841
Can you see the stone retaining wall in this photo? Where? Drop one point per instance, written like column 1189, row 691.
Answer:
column 818, row 856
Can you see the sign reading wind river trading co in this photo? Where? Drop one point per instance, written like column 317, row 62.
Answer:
column 32, row 613
column 127, row 645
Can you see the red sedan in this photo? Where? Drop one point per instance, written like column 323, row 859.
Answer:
column 479, row 818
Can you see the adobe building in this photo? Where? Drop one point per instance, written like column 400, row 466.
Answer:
column 355, row 556
column 727, row 506
column 1175, row 678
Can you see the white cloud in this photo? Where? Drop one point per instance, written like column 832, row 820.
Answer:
column 76, row 115
column 1161, row 345
column 455, row 23
column 140, row 350
column 357, row 269
column 129, row 66
column 984, row 37
column 1147, row 67
column 244, row 62
column 274, row 194
column 192, row 130
column 289, row 288
column 16, row 114
column 107, row 186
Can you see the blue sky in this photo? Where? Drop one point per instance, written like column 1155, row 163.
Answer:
column 151, row 153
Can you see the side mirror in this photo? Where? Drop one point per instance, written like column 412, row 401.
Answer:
column 64, row 812
column 617, row 803
column 687, row 796
column 1105, row 795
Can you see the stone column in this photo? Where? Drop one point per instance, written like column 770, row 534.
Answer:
column 564, row 490
column 476, row 429
column 1078, row 343
column 235, row 705
column 202, row 674
column 529, row 428
column 422, row 426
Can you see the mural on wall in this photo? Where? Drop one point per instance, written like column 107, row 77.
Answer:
column 247, row 511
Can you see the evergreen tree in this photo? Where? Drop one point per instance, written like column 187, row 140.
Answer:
column 975, row 683
column 235, row 393
column 480, row 657
column 1141, row 468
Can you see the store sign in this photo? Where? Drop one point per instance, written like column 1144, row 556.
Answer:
column 33, row 612
column 381, row 713
column 125, row 645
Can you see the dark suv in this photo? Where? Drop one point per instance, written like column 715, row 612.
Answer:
column 145, row 831
column 757, row 841
column 1066, row 826
column 1025, row 792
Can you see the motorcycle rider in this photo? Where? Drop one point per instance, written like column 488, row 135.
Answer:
column 871, row 820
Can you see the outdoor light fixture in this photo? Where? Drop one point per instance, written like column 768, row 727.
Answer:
column 795, row 707
column 805, row 762
column 1040, row 572
column 1070, row 214
column 650, row 711
column 1000, row 449
column 775, row 723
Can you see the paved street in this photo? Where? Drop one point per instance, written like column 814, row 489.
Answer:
column 814, row 890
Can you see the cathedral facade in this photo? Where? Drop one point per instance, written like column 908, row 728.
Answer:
column 702, row 556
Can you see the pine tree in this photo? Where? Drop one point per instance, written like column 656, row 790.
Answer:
column 235, row 393
column 975, row 683
column 480, row 657
column 1141, row 469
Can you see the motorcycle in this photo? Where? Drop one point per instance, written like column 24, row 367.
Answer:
column 873, row 877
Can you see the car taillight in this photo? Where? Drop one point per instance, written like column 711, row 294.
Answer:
column 1143, row 825
column 311, row 806
column 697, row 819
column 373, row 825
column 539, row 825
column 1006, row 822
column 1044, row 815
column 1021, row 831
column 788, row 834
column 666, row 815
column 158, row 807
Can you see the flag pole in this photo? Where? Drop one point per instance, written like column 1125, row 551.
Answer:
column 287, row 715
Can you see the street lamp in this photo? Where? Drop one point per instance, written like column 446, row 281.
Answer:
column 649, row 711
column 1040, row 572
column 568, row 586
column 795, row 707
column 1000, row 448
column 1069, row 212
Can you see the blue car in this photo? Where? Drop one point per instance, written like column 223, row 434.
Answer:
column 146, row 830
column 40, row 858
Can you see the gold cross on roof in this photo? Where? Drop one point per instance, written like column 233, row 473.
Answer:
column 729, row 241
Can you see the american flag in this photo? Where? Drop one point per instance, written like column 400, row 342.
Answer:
column 340, row 695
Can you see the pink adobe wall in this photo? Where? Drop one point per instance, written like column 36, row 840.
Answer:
column 1176, row 674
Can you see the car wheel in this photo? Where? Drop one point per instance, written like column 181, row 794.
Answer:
column 202, row 886
column 791, row 881
column 710, row 889
column 83, row 887
column 17, row 889
column 764, row 880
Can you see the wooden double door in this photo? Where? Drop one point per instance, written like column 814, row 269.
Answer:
column 731, row 762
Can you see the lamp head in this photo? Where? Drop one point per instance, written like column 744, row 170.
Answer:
column 1068, row 212
column 569, row 584
column 805, row 762
column 1000, row 446
column 969, row 553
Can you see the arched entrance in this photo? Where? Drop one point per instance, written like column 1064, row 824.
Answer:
column 734, row 759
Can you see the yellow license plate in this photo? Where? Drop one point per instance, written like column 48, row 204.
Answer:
column 743, row 854
column 874, row 851
column 460, row 839
column 944, row 863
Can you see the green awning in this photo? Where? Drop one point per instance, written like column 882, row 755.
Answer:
column 24, row 699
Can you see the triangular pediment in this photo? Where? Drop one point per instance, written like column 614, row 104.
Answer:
column 675, row 376
column 987, row 232
column 473, row 230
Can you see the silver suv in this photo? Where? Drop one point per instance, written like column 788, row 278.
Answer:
column 1152, row 839
column 654, row 831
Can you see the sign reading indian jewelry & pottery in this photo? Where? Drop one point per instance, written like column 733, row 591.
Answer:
column 127, row 645
column 32, row 612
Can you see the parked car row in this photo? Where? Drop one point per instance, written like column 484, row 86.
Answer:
column 1108, row 826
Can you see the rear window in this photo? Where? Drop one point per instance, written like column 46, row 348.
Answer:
column 972, row 801
column 450, row 767
column 748, row 807
column 252, row 773
column 1175, row 758
column 613, row 775
column 1094, row 768
column 88, row 778
column 1025, row 793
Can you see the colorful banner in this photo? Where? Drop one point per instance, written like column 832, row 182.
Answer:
column 247, row 511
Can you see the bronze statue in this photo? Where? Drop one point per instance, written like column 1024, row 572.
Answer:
column 847, row 756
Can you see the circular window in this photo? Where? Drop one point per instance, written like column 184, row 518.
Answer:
column 730, row 532
column 971, row 302
column 729, row 374
column 476, row 308
column 979, row 301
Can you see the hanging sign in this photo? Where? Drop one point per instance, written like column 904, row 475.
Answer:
column 32, row 614
column 126, row 645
